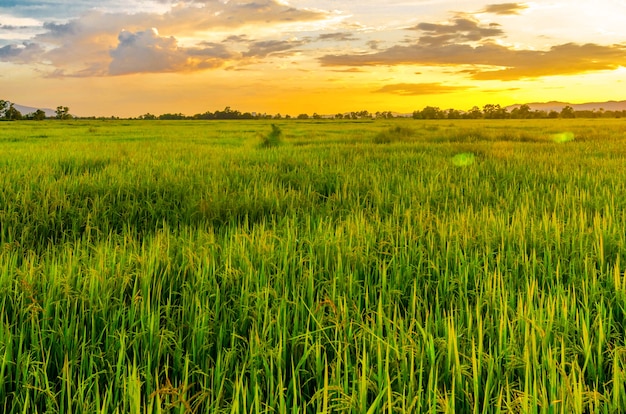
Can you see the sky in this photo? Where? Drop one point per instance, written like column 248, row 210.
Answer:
column 130, row 57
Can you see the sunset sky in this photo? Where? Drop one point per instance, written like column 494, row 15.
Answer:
column 126, row 58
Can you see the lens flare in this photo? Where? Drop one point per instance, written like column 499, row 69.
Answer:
column 463, row 159
column 563, row 137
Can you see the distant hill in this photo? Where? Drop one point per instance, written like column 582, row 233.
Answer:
column 24, row 110
column 589, row 106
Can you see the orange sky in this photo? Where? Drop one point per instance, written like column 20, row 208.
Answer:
column 126, row 58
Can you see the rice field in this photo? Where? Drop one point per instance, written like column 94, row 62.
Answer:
column 313, row 267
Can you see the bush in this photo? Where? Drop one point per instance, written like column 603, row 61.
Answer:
column 273, row 139
column 396, row 133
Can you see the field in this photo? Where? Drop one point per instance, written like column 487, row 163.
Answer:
column 365, row 267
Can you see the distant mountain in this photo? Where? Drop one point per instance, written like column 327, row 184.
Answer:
column 589, row 106
column 24, row 110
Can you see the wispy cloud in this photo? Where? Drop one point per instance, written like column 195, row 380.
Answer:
column 202, row 16
column 374, row 44
column 349, row 70
column 337, row 37
column 237, row 39
column 262, row 49
column 505, row 8
column 411, row 89
column 9, row 27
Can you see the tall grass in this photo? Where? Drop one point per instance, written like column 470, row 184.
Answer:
column 177, row 267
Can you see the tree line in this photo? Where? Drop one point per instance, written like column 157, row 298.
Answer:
column 489, row 111
column 8, row 112
column 495, row 111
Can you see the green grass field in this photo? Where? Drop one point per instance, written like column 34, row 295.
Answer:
column 364, row 267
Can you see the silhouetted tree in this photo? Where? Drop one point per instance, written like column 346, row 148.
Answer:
column 4, row 105
column 429, row 112
column 11, row 113
column 522, row 112
column 494, row 111
column 38, row 115
column 227, row 113
column 8, row 112
column 63, row 112
column 474, row 113
column 567, row 112
column 453, row 114
column 177, row 116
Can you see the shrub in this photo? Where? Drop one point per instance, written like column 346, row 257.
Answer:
column 397, row 133
column 273, row 139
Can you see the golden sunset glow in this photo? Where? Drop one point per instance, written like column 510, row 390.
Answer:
column 126, row 58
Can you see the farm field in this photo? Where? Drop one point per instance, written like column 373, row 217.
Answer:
column 365, row 267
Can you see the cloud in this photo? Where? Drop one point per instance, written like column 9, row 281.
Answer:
column 9, row 27
column 509, row 64
column 19, row 53
column 214, row 50
column 337, row 37
column 63, row 10
column 500, row 90
column 236, row 38
column 261, row 49
column 349, row 70
column 565, row 59
column 203, row 15
column 464, row 42
column 15, row 31
column 462, row 29
column 146, row 51
column 505, row 8
column 9, row 51
column 415, row 54
column 98, row 43
column 374, row 44
column 412, row 89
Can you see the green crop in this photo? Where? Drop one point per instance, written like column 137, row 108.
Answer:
column 156, row 267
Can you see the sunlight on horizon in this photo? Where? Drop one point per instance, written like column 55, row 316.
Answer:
column 297, row 56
